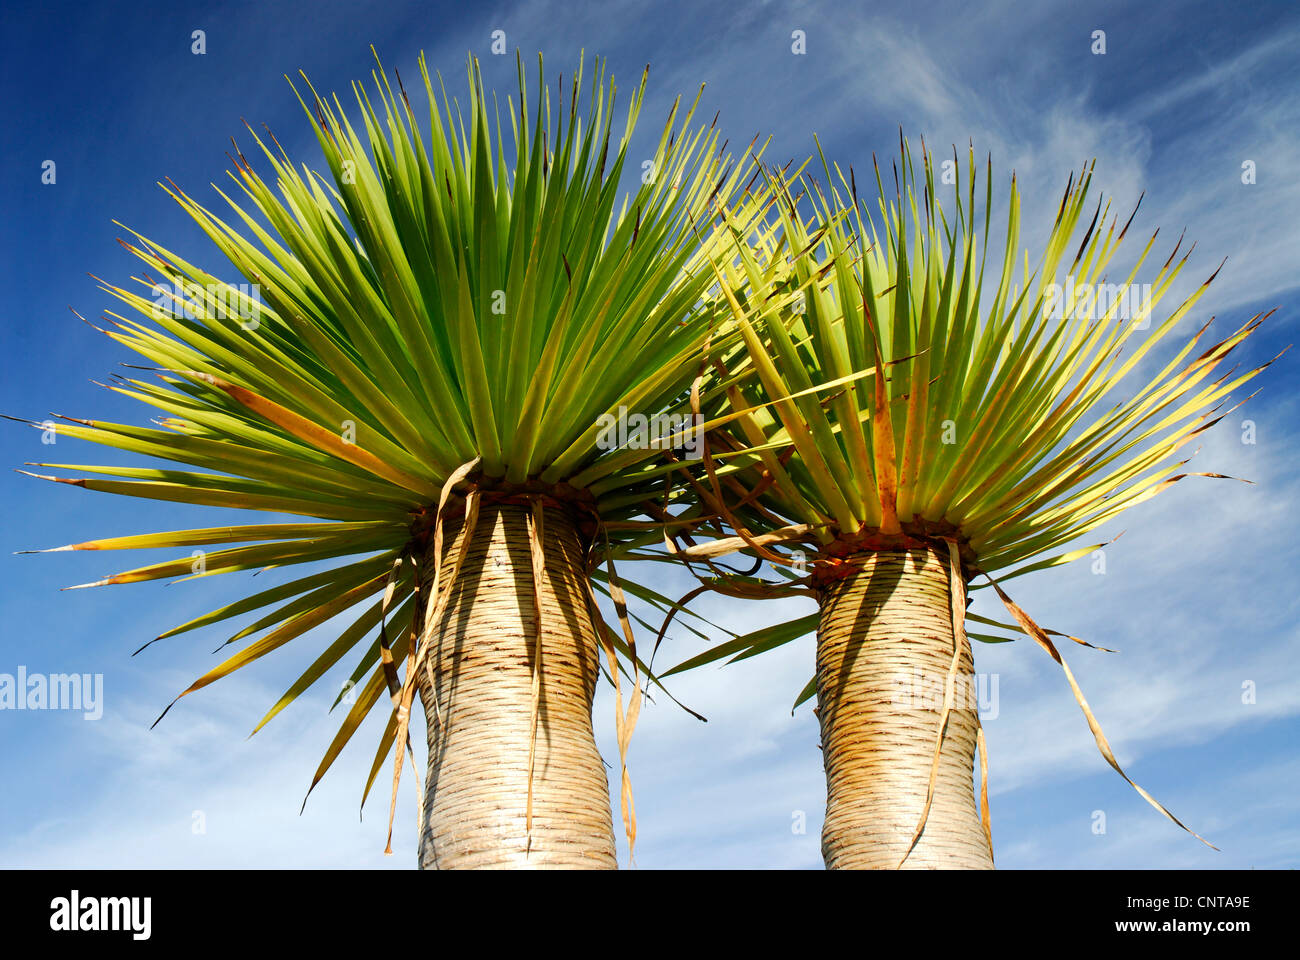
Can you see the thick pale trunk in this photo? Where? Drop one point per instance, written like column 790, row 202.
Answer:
column 478, row 707
column 884, row 648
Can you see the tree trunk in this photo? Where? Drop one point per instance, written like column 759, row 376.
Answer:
column 478, row 707
column 884, row 648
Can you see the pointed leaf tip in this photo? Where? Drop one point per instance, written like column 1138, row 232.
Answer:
column 83, row 586
column 164, row 713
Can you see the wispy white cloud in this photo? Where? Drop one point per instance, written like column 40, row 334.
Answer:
column 153, row 789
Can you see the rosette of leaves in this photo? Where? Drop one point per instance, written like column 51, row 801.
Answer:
column 986, row 423
column 442, row 326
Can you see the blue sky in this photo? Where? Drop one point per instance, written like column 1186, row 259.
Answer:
column 1199, row 595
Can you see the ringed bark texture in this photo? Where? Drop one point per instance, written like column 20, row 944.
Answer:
column 478, row 706
column 884, row 648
